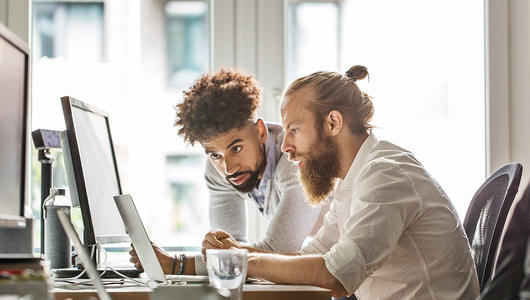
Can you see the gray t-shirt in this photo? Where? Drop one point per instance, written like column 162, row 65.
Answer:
column 282, row 201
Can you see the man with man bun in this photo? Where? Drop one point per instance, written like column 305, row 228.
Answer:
column 391, row 231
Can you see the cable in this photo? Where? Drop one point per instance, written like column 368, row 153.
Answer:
column 107, row 267
column 125, row 276
column 78, row 276
column 84, row 283
column 78, row 283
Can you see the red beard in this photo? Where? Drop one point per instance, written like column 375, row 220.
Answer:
column 320, row 169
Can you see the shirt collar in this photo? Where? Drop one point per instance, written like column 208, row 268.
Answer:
column 360, row 158
column 270, row 154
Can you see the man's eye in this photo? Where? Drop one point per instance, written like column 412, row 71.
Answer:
column 215, row 156
column 236, row 149
column 294, row 130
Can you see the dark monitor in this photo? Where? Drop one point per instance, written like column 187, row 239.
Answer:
column 14, row 103
column 92, row 171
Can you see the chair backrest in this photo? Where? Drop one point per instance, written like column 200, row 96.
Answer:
column 486, row 216
column 508, row 276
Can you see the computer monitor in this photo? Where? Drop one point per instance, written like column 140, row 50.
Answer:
column 14, row 103
column 92, row 171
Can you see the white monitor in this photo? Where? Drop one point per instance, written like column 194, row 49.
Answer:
column 92, row 171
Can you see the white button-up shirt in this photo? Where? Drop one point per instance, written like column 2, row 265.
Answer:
column 392, row 233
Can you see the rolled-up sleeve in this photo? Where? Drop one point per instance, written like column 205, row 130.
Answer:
column 327, row 235
column 384, row 202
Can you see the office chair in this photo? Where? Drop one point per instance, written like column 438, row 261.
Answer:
column 508, row 275
column 486, row 216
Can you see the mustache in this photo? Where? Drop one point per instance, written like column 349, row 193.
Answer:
column 238, row 174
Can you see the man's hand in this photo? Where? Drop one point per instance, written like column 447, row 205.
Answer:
column 165, row 259
column 218, row 239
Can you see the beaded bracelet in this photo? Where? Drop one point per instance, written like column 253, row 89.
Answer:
column 182, row 263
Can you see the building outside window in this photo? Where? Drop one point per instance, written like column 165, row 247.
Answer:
column 187, row 41
column 132, row 59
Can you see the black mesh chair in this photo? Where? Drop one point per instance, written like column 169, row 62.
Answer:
column 509, row 280
column 486, row 216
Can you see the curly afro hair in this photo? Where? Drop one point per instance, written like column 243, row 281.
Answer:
column 216, row 104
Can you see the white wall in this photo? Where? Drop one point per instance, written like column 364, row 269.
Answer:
column 507, row 84
column 15, row 14
column 520, row 85
column 3, row 12
column 249, row 34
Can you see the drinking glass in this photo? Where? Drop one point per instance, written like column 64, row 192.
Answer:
column 227, row 271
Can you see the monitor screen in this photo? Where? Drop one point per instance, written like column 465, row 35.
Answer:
column 95, row 168
column 13, row 110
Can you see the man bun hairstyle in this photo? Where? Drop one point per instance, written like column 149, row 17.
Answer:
column 217, row 103
column 357, row 72
column 333, row 91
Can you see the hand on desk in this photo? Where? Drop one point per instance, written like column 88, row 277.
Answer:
column 218, row 239
column 165, row 259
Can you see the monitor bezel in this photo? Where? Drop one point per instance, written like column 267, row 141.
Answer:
column 90, row 238
column 11, row 221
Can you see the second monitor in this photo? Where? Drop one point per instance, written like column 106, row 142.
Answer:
column 92, row 171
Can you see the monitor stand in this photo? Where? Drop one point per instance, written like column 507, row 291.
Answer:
column 74, row 272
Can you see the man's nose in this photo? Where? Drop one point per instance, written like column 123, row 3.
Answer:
column 287, row 147
column 231, row 167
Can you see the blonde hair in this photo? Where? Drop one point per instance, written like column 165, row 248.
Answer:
column 333, row 91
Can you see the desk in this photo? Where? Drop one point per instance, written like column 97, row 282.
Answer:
column 127, row 293
column 201, row 291
column 284, row 292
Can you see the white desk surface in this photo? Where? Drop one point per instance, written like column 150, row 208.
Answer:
column 250, row 292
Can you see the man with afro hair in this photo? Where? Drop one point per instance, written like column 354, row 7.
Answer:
column 245, row 164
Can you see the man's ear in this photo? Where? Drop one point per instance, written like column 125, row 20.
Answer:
column 334, row 122
column 262, row 130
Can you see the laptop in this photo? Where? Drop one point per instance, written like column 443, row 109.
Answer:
column 142, row 244
column 82, row 252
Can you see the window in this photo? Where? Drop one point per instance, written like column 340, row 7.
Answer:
column 426, row 64
column 186, row 181
column 187, row 41
column 56, row 39
column 56, row 27
column 313, row 42
column 116, row 56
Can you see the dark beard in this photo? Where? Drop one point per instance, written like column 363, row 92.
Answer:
column 319, row 172
column 253, row 180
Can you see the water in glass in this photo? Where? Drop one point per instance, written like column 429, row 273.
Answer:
column 227, row 270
